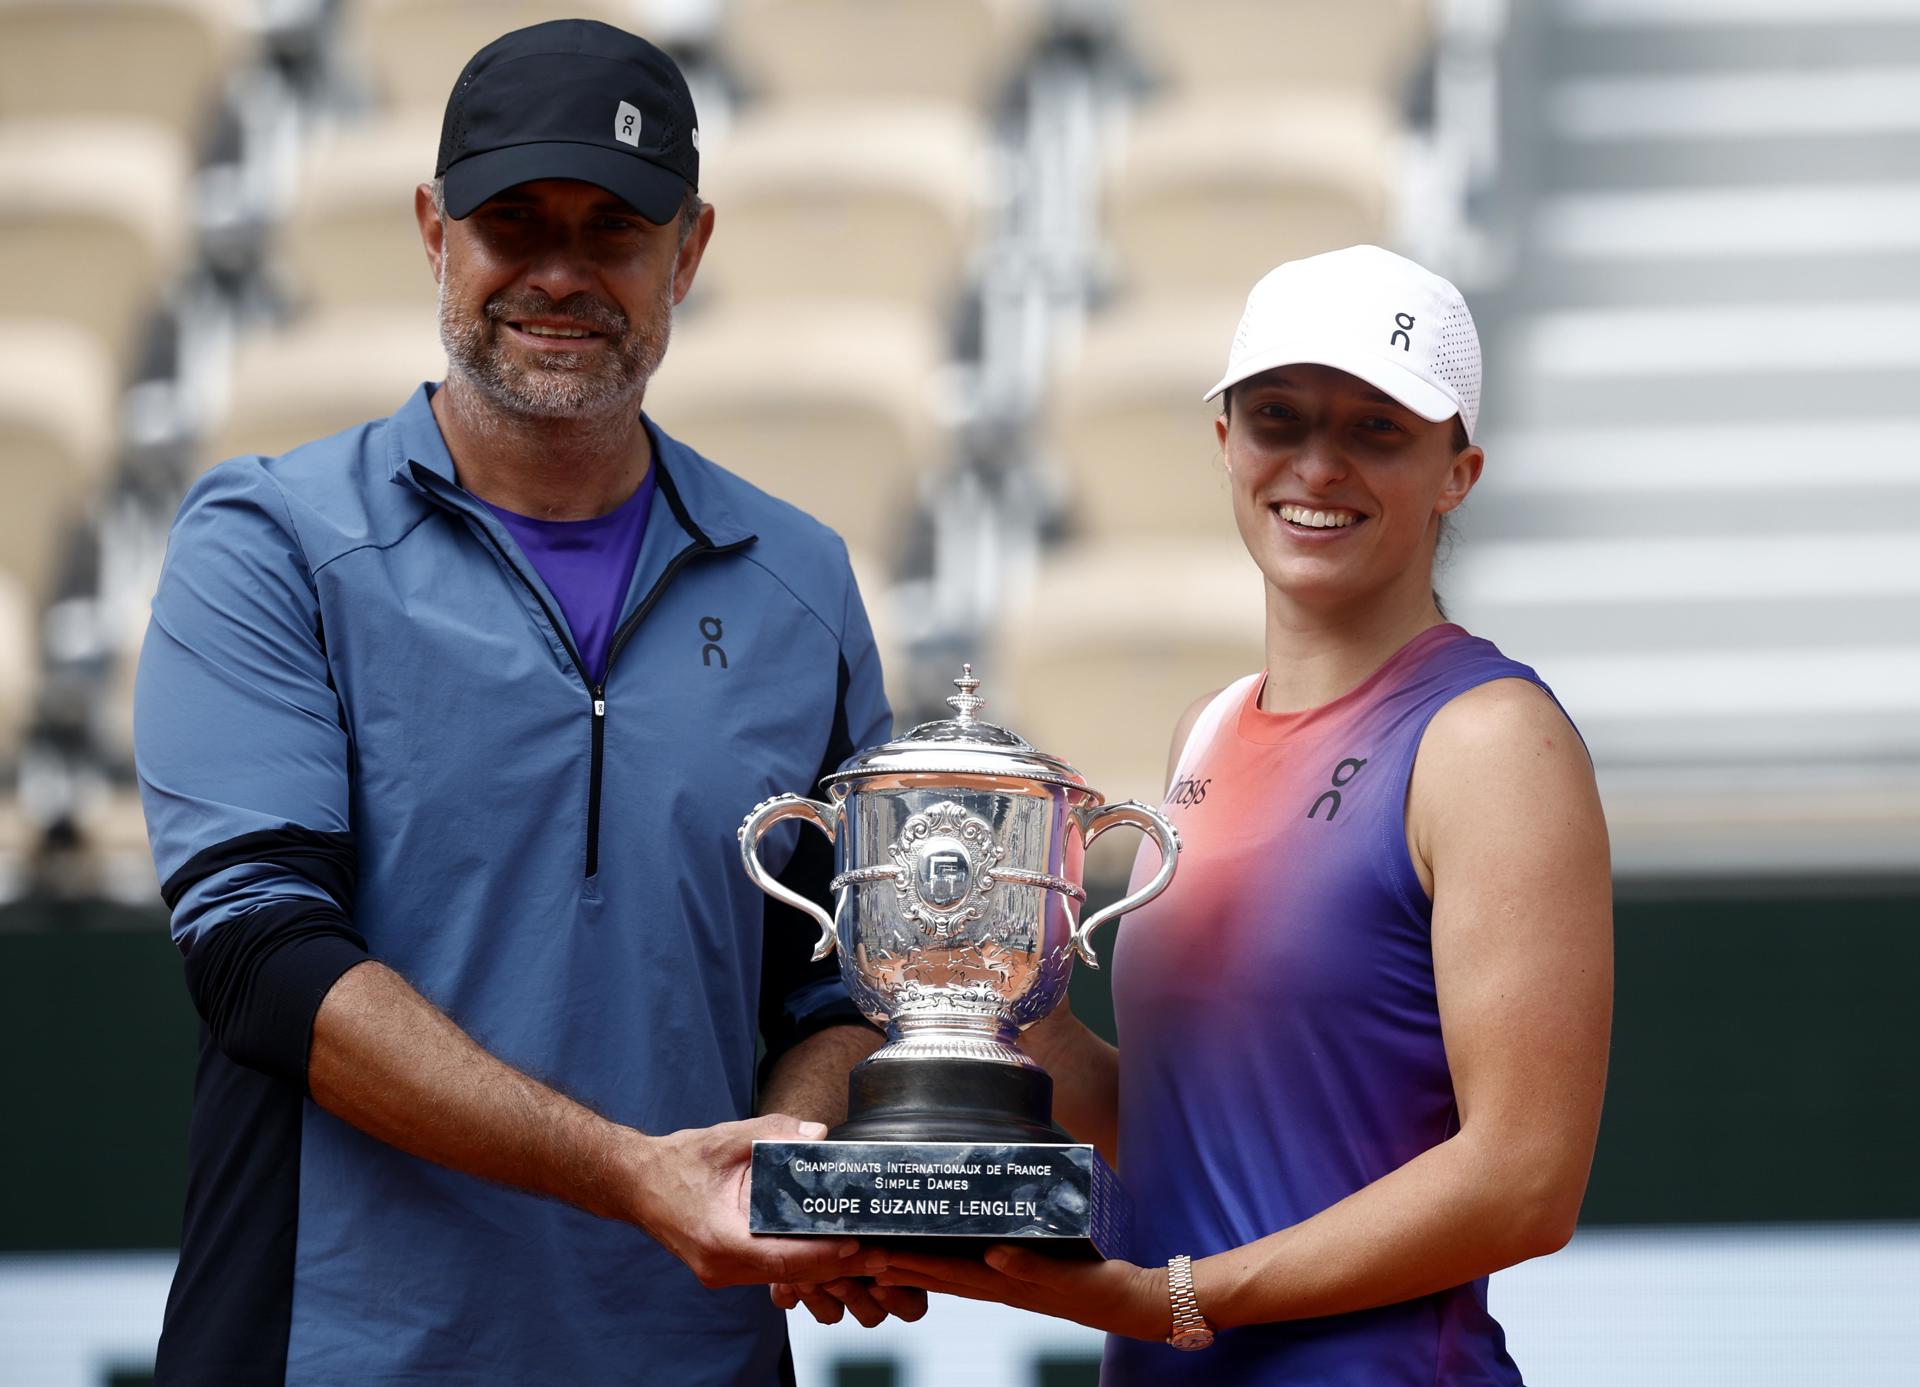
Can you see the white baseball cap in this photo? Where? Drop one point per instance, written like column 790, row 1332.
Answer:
column 1373, row 314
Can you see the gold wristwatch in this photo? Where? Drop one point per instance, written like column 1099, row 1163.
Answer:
column 1190, row 1329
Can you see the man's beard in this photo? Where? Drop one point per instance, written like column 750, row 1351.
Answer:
column 556, row 385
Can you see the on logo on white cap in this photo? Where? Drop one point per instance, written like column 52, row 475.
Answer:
column 626, row 124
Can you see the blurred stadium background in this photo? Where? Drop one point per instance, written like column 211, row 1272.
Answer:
column 976, row 260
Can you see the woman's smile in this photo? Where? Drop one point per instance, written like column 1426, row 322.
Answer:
column 1315, row 524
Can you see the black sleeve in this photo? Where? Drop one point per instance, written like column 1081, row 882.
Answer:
column 258, row 979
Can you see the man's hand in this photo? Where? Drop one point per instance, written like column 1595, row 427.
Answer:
column 690, row 1194
column 811, row 1078
column 869, row 1303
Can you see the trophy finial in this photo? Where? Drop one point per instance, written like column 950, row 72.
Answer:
column 966, row 703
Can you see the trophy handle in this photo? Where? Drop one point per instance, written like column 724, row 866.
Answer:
column 764, row 816
column 1149, row 822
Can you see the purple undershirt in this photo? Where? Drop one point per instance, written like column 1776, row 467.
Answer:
column 587, row 565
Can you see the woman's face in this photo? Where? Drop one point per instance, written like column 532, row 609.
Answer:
column 1337, row 488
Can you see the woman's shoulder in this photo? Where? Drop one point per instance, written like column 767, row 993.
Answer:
column 1491, row 698
column 1498, row 711
column 1497, row 756
column 1466, row 657
column 1184, row 727
column 1190, row 719
column 1470, row 683
column 1505, row 736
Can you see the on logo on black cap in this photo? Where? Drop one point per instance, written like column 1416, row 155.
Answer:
column 626, row 124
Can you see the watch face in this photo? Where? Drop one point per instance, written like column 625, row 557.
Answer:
column 1192, row 1338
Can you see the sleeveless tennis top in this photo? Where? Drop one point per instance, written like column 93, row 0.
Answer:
column 1280, row 1039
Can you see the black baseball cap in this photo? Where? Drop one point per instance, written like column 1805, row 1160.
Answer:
column 571, row 98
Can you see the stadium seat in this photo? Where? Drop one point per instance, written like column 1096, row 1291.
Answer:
column 350, row 236
column 113, row 826
column 19, row 667
column 57, row 424
column 828, row 405
column 412, row 51
column 875, row 199
column 1128, row 427
column 1365, row 45
column 947, row 50
column 1109, row 644
column 322, row 375
column 16, row 844
column 1752, row 647
column 1213, row 192
column 92, row 224
column 876, row 592
column 155, row 61
column 123, row 627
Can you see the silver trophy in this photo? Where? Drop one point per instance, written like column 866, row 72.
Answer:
column 960, row 852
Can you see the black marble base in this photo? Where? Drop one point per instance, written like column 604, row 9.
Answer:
column 958, row 1195
column 948, row 1100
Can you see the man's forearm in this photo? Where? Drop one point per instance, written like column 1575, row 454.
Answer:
column 810, row 1080
column 387, row 1061
column 392, row 1064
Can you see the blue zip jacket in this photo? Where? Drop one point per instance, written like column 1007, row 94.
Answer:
column 361, row 730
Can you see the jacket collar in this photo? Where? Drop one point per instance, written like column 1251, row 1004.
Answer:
column 689, row 484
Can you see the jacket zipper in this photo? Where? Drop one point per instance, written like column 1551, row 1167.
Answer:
column 597, row 693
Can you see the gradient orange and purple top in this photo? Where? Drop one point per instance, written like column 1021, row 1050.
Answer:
column 1280, row 1041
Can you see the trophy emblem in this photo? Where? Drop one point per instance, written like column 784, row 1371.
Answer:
column 959, row 851
column 946, row 858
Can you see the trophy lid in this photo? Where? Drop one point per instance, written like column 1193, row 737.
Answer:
column 963, row 744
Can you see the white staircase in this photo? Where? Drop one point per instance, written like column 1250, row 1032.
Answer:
column 1700, row 518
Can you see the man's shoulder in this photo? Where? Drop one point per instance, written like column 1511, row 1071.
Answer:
column 331, row 495
column 767, row 515
column 799, row 548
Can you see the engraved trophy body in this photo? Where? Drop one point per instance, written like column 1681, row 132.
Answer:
column 958, row 897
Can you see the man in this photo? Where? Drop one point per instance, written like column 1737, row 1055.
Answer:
column 466, row 705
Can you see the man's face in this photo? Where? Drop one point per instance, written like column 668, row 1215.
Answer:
column 556, row 298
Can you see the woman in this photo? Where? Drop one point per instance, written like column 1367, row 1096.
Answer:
column 1364, row 1033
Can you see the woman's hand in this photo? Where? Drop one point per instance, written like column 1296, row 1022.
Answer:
column 1117, row 1297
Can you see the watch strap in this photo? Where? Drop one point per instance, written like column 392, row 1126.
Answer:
column 1190, row 1327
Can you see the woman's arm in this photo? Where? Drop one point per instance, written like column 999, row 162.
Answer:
column 1086, row 1078
column 1503, row 812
